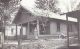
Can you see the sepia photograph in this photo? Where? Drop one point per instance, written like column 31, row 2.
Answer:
column 39, row 24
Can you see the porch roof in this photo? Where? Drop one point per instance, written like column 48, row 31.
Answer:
column 75, row 14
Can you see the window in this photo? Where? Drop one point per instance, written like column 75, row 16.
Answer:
column 24, row 30
column 58, row 27
column 44, row 28
column 12, row 31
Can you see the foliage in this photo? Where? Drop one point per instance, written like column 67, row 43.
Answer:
column 47, row 5
column 7, row 7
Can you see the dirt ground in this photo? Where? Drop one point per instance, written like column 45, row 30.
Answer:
column 38, row 44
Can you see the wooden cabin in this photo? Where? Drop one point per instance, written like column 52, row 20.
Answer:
column 43, row 27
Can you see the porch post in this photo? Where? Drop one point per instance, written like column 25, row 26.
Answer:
column 38, row 31
column 20, row 39
column 28, row 30
column 21, row 31
column 67, row 31
column 78, row 27
column 16, row 32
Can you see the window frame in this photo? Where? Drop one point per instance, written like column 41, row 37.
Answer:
column 58, row 26
column 46, row 27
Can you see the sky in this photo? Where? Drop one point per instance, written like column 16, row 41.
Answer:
column 68, row 5
column 29, row 4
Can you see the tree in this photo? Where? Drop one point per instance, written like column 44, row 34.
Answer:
column 13, row 6
column 7, row 7
column 48, row 5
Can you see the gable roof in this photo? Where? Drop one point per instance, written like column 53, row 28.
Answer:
column 23, row 16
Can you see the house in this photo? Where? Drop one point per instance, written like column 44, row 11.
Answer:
column 44, row 27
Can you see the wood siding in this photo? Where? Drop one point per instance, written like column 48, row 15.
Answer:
column 63, row 28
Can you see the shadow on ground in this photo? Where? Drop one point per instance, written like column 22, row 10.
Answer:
column 70, row 47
